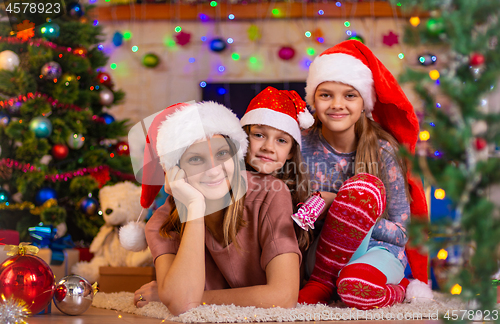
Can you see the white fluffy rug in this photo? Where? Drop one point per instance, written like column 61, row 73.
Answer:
column 430, row 309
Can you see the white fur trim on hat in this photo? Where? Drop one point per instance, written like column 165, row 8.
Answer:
column 194, row 122
column 342, row 68
column 276, row 119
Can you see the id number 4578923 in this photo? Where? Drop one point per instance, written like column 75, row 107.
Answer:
column 33, row 7
column 472, row 315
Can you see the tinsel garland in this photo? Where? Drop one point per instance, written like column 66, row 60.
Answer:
column 23, row 98
column 101, row 173
column 77, row 173
column 5, row 104
column 40, row 42
column 29, row 205
column 25, row 167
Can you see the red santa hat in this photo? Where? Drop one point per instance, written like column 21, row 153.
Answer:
column 351, row 62
column 153, row 176
column 281, row 109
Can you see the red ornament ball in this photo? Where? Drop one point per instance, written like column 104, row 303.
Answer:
column 60, row 151
column 476, row 59
column 286, row 53
column 122, row 148
column 29, row 278
column 480, row 143
column 104, row 79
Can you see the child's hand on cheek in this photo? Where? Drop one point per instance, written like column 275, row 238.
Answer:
column 182, row 190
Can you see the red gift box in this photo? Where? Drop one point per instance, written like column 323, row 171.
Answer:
column 10, row 237
column 85, row 254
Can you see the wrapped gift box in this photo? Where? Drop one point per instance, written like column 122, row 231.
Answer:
column 10, row 237
column 71, row 256
column 85, row 254
column 116, row 279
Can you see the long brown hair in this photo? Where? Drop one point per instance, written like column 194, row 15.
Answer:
column 233, row 214
column 368, row 157
column 296, row 176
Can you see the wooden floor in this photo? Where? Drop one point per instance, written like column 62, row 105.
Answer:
column 104, row 316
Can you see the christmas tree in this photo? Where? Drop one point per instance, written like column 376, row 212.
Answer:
column 459, row 134
column 58, row 142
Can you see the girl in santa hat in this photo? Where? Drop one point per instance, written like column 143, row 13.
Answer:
column 272, row 122
column 362, row 118
column 225, row 236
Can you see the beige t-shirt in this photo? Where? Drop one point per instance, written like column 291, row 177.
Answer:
column 269, row 232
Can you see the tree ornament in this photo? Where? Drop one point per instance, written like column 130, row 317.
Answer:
column 150, row 60
column 26, row 30
column 89, row 205
column 480, row 143
column 75, row 141
column 105, row 79
column 4, row 119
column 4, row 196
column 390, row 39
column 253, row 33
column 50, row 30
column 476, row 59
column 28, row 278
column 75, row 10
column 108, row 119
column 45, row 194
column 13, row 311
column 117, row 39
column 182, row 38
column 51, row 71
column 73, row 295
column 41, row 126
column 60, row 151
column 358, row 38
column 286, row 53
column 217, row 45
column 122, row 148
column 435, row 26
column 427, row 59
column 8, row 60
column 106, row 97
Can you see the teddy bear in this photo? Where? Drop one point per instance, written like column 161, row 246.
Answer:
column 120, row 205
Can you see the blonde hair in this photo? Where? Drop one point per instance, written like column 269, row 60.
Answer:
column 297, row 181
column 233, row 214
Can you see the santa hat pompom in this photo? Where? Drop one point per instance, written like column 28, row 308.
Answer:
column 133, row 237
column 305, row 118
column 419, row 292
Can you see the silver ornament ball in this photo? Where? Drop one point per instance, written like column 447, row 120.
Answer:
column 75, row 141
column 73, row 295
column 8, row 60
column 106, row 97
column 51, row 70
